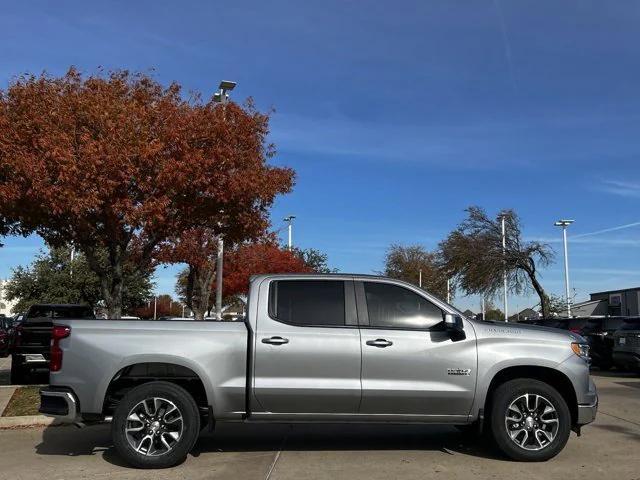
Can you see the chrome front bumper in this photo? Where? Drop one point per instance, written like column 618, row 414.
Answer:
column 60, row 404
column 587, row 413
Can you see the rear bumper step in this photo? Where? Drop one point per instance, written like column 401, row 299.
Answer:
column 60, row 404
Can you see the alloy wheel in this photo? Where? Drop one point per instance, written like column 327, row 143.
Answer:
column 154, row 426
column 532, row 422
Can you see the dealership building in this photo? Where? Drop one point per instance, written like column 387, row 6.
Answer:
column 624, row 302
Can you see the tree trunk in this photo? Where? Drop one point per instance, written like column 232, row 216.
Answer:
column 544, row 298
column 111, row 278
column 199, row 289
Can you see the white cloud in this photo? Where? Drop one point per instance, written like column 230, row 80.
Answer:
column 621, row 188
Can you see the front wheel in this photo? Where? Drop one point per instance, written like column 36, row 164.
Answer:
column 155, row 425
column 530, row 421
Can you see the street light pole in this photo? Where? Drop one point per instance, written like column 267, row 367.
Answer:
column 504, row 274
column 420, row 278
column 73, row 256
column 448, row 291
column 222, row 97
column 219, row 278
column 564, row 224
column 289, row 220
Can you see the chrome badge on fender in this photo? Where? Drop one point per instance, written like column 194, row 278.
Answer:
column 459, row 371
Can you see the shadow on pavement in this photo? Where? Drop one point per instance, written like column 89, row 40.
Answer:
column 71, row 441
column 631, row 433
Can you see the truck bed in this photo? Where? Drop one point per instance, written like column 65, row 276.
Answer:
column 97, row 350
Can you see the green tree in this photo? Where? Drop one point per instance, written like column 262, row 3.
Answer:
column 473, row 254
column 53, row 278
column 406, row 263
column 557, row 304
column 494, row 314
column 316, row 260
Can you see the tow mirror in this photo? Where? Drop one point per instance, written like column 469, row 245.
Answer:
column 453, row 323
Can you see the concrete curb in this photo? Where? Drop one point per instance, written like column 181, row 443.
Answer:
column 27, row 421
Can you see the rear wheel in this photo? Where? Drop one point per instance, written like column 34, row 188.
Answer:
column 530, row 421
column 155, row 425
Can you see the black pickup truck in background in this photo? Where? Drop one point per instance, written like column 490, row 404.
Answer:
column 6, row 336
column 32, row 337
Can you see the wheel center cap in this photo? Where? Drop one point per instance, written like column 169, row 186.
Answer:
column 155, row 426
column 529, row 422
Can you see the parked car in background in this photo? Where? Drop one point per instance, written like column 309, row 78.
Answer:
column 598, row 332
column 626, row 349
column 6, row 336
column 32, row 337
column 321, row 348
column 575, row 324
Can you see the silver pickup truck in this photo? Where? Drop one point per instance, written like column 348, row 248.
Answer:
column 321, row 348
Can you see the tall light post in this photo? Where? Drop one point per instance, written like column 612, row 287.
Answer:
column 504, row 260
column 222, row 97
column 289, row 220
column 448, row 290
column 564, row 224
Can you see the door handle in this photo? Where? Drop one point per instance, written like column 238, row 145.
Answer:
column 379, row 342
column 275, row 340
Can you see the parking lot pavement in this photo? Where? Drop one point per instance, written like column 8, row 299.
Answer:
column 607, row 449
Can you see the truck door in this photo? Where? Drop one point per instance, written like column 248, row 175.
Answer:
column 410, row 364
column 307, row 347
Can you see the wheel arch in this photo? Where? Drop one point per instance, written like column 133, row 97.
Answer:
column 550, row 376
column 138, row 373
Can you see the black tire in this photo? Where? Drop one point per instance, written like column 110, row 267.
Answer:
column 190, row 425
column 502, row 398
column 18, row 371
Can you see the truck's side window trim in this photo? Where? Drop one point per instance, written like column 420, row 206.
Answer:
column 363, row 310
column 350, row 311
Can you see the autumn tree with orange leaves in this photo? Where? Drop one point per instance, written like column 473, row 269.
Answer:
column 116, row 163
column 240, row 263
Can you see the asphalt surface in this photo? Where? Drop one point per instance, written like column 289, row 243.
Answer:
column 607, row 449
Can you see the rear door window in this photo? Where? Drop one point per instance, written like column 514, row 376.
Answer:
column 308, row 302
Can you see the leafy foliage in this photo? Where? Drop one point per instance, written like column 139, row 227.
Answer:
column 53, row 278
column 164, row 306
column 405, row 263
column 316, row 260
column 473, row 254
column 248, row 259
column 117, row 163
column 494, row 314
column 254, row 259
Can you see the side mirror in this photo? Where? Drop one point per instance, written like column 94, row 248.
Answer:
column 453, row 323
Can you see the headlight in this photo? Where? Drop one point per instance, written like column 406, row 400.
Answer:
column 581, row 349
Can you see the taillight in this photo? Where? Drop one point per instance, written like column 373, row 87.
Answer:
column 58, row 333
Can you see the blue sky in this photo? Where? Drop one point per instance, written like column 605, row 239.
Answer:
column 397, row 115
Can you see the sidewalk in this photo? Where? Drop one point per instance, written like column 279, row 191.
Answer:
column 5, row 395
column 6, row 391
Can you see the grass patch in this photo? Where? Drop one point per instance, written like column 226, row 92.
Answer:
column 24, row 401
